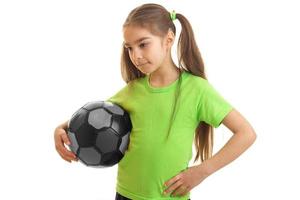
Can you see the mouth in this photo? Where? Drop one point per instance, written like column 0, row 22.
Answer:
column 140, row 65
column 143, row 67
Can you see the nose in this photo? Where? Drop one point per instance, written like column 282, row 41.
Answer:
column 136, row 55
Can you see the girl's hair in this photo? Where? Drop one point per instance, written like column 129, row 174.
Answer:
column 156, row 19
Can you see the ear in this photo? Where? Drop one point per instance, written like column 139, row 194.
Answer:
column 170, row 38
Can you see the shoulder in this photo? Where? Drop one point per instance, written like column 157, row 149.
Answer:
column 196, row 81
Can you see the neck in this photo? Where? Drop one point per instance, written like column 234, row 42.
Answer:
column 164, row 75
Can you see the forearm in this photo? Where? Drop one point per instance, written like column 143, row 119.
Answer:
column 235, row 146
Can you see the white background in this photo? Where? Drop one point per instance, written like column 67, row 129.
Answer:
column 57, row 55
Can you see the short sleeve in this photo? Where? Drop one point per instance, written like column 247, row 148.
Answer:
column 212, row 107
column 118, row 97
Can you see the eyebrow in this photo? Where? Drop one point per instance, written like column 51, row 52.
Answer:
column 138, row 40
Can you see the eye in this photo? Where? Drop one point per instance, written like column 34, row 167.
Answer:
column 143, row 45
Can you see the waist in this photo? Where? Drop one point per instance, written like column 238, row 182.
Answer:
column 146, row 175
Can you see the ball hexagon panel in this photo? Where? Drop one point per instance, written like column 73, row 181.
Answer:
column 107, row 141
column 99, row 118
column 86, row 135
column 124, row 143
column 93, row 104
column 89, row 155
column 78, row 120
column 74, row 145
column 119, row 125
column 127, row 121
column 109, row 159
column 113, row 108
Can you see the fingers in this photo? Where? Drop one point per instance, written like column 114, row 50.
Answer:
column 180, row 191
column 173, row 187
column 172, row 180
column 66, row 154
column 60, row 138
column 65, row 138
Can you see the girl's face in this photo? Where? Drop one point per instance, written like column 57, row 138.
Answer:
column 146, row 51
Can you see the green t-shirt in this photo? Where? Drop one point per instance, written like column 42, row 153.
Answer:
column 151, row 158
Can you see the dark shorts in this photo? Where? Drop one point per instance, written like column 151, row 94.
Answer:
column 120, row 197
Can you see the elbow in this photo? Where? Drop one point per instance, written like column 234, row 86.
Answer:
column 248, row 134
column 251, row 136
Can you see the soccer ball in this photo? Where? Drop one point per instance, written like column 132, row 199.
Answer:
column 99, row 133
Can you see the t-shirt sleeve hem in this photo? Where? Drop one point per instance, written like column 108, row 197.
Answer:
column 221, row 116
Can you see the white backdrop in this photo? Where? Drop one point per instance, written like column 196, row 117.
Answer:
column 57, row 55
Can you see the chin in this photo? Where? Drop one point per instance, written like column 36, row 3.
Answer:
column 146, row 71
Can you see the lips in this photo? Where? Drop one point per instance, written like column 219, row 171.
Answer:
column 140, row 65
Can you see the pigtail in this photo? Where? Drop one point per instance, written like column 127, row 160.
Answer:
column 189, row 58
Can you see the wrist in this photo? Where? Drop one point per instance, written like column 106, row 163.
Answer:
column 205, row 168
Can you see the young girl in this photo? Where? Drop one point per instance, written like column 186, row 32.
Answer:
column 169, row 106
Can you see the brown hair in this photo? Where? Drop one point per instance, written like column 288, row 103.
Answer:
column 157, row 20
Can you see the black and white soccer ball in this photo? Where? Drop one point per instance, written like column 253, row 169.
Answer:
column 99, row 133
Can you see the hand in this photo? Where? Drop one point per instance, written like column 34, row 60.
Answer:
column 185, row 181
column 61, row 138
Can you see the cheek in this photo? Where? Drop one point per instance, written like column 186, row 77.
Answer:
column 158, row 54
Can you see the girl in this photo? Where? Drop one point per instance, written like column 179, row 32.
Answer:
column 167, row 105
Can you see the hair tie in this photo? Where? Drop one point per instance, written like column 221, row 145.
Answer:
column 173, row 15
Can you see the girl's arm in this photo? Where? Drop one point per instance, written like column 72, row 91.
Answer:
column 243, row 137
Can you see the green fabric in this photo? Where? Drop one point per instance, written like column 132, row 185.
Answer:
column 151, row 158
